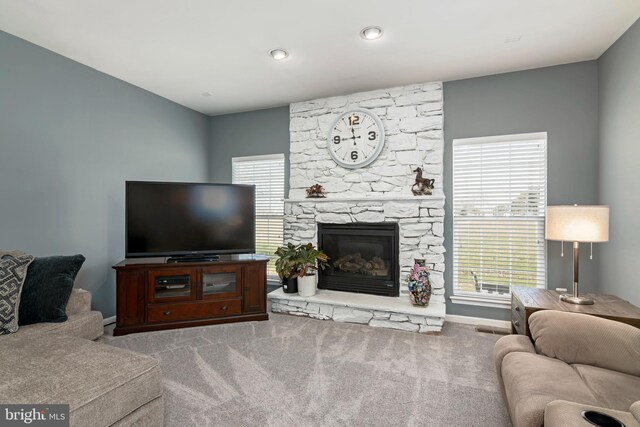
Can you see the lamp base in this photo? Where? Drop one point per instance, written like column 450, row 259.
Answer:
column 575, row 300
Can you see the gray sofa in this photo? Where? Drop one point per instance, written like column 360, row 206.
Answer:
column 575, row 363
column 59, row 363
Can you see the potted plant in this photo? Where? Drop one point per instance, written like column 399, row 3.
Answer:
column 287, row 267
column 309, row 259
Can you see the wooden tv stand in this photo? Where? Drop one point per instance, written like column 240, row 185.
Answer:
column 152, row 294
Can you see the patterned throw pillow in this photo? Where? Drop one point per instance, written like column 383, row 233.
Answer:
column 13, row 271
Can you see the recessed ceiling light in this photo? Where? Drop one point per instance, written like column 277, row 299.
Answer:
column 278, row 54
column 371, row 33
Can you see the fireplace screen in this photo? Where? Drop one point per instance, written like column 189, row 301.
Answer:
column 363, row 257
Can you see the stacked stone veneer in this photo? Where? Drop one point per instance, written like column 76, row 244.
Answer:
column 413, row 122
column 381, row 192
column 420, row 223
column 429, row 321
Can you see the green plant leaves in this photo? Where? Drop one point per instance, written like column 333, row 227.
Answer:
column 299, row 260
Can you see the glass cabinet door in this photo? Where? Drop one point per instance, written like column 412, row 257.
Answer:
column 171, row 285
column 220, row 282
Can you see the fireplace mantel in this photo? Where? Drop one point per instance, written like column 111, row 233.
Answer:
column 381, row 198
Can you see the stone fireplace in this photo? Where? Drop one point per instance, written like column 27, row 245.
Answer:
column 358, row 199
column 363, row 258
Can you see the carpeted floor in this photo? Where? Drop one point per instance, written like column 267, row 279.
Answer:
column 292, row 371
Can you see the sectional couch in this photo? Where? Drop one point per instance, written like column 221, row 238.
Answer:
column 60, row 363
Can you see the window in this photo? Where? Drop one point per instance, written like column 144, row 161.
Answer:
column 499, row 200
column 267, row 174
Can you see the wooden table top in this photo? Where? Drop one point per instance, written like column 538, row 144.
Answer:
column 155, row 261
column 604, row 305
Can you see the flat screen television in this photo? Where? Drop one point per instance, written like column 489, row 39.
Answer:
column 184, row 219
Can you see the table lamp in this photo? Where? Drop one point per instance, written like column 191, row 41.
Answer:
column 577, row 224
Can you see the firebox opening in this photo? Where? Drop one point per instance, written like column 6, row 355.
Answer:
column 363, row 258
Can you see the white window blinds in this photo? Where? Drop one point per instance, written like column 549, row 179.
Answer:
column 499, row 200
column 267, row 174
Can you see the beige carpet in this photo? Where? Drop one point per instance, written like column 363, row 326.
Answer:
column 292, row 371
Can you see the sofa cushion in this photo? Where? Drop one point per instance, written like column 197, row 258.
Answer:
column 47, row 289
column 531, row 381
column 102, row 384
column 13, row 271
column 612, row 389
column 586, row 340
column 149, row 415
column 86, row 325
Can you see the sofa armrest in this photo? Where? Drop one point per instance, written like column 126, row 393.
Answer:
column 509, row 344
column 582, row 339
column 79, row 302
column 635, row 410
column 561, row 413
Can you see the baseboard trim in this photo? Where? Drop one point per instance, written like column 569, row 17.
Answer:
column 478, row 321
column 453, row 318
column 109, row 320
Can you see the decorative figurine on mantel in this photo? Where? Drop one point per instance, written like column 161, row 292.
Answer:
column 422, row 186
column 316, row 191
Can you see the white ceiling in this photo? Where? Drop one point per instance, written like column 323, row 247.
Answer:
column 180, row 49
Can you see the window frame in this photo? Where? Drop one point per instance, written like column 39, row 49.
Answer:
column 256, row 158
column 481, row 298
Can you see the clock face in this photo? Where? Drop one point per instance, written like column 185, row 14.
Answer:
column 356, row 138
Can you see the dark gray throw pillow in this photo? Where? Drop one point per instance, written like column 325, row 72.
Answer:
column 13, row 270
column 47, row 289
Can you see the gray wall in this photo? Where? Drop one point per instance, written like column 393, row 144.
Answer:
column 247, row 134
column 69, row 138
column 619, row 85
column 562, row 101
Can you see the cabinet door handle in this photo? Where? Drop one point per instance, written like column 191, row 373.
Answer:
column 517, row 323
column 224, row 307
column 517, row 308
column 167, row 313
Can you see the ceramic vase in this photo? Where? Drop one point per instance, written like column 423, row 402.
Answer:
column 419, row 285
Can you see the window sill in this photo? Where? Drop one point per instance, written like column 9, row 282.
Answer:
column 482, row 301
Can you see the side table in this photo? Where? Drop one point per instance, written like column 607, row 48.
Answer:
column 526, row 301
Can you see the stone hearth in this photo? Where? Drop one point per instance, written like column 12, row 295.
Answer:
column 376, row 311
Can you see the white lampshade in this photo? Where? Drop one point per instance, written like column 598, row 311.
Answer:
column 577, row 223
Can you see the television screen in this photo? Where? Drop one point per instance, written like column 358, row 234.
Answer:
column 169, row 219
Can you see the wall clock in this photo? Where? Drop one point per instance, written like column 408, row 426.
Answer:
column 356, row 138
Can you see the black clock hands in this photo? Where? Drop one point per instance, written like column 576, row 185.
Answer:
column 354, row 137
